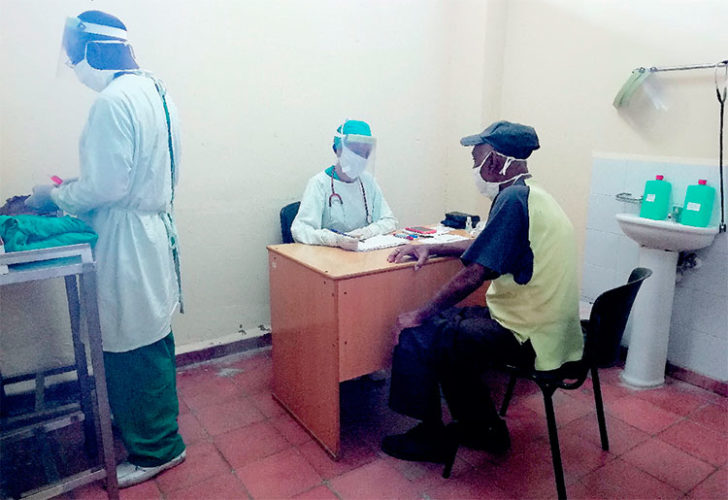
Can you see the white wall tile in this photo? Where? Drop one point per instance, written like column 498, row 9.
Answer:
column 711, row 314
column 700, row 353
column 629, row 208
column 683, row 311
column 599, row 248
column 607, row 176
column 596, row 280
column 710, row 277
column 716, row 253
column 602, row 211
column 628, row 256
column 679, row 345
column 639, row 172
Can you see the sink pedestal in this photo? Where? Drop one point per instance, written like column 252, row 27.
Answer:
column 660, row 243
column 652, row 311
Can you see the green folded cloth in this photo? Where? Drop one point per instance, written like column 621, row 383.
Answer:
column 30, row 232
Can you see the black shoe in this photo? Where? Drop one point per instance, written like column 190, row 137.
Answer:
column 493, row 439
column 422, row 444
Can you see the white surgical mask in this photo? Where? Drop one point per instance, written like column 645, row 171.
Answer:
column 95, row 79
column 491, row 189
column 351, row 163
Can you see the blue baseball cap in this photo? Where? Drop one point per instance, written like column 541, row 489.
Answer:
column 510, row 139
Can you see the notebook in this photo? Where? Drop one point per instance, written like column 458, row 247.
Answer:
column 380, row 241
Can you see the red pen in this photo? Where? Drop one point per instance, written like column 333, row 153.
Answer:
column 56, row 180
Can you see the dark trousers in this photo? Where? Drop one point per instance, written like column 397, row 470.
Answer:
column 451, row 351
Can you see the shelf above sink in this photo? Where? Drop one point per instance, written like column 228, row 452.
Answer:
column 665, row 235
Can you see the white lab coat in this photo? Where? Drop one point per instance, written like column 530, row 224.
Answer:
column 123, row 192
column 315, row 215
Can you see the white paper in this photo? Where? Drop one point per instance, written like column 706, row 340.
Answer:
column 380, row 241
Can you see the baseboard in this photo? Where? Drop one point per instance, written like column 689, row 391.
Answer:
column 221, row 350
column 689, row 376
column 697, row 379
column 262, row 341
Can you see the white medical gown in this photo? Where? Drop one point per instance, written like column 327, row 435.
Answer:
column 123, row 191
column 315, row 215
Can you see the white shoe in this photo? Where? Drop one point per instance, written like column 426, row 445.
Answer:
column 128, row 474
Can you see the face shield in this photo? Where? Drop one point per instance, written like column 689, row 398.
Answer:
column 357, row 154
column 103, row 47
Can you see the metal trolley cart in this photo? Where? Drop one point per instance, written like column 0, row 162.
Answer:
column 76, row 265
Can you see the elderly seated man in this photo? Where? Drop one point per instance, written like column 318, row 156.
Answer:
column 527, row 256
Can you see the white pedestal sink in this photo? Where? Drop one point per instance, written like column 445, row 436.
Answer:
column 660, row 242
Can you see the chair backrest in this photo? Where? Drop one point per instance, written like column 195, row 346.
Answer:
column 608, row 318
column 288, row 213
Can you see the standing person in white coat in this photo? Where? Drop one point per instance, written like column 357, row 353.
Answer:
column 129, row 155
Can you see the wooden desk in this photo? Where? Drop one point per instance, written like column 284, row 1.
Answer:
column 331, row 316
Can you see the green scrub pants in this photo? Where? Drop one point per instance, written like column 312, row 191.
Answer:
column 143, row 398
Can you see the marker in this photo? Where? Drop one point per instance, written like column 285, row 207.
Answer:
column 56, row 180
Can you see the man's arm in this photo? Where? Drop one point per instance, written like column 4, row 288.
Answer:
column 459, row 287
column 423, row 252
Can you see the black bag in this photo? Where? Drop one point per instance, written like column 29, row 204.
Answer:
column 457, row 220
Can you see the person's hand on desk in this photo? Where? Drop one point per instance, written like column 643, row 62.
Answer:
column 363, row 233
column 338, row 239
column 419, row 252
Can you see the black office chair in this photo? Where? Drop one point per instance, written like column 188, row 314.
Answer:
column 288, row 213
column 602, row 336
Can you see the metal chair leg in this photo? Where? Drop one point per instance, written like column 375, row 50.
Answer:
column 554, row 440
column 509, row 394
column 454, row 445
column 448, row 465
column 600, row 408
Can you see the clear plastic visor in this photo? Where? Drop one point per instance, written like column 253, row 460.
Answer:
column 75, row 41
column 362, row 145
column 69, row 44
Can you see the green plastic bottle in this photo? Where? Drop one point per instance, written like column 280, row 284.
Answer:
column 656, row 200
column 698, row 204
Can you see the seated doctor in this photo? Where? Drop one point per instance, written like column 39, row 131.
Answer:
column 345, row 198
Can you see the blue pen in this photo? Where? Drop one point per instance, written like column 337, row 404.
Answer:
column 339, row 232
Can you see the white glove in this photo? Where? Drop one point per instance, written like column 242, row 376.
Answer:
column 363, row 232
column 41, row 198
column 335, row 239
column 347, row 243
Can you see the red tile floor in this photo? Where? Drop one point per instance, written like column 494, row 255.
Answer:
column 670, row 442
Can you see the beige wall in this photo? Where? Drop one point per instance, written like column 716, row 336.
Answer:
column 261, row 85
column 565, row 60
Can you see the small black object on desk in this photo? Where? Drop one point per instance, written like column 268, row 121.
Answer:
column 457, row 220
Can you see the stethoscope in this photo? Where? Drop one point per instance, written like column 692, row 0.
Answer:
column 336, row 196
